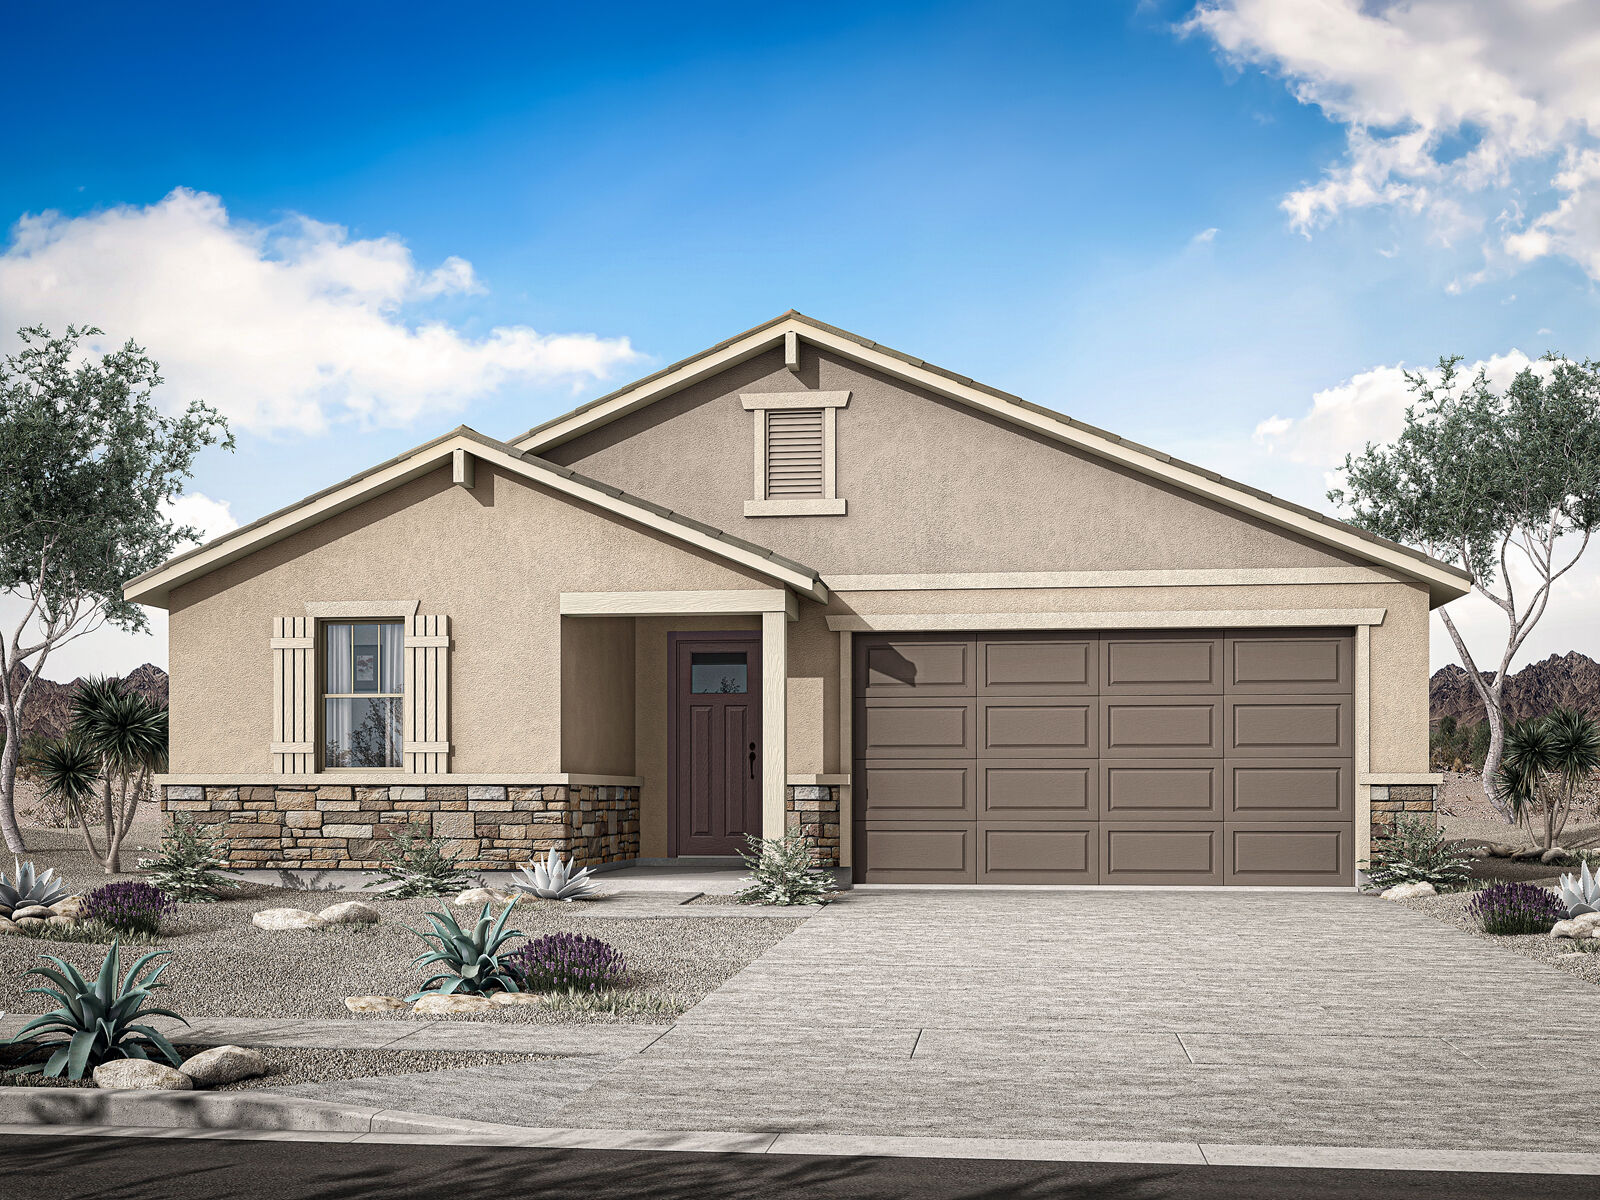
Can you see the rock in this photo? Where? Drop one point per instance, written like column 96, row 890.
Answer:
column 1408, row 891
column 478, row 897
column 351, row 912
column 512, row 999
column 1527, row 854
column 373, row 1003
column 72, row 906
column 33, row 910
column 436, row 1002
column 1585, row 926
column 25, row 924
column 224, row 1064
column 1555, row 854
column 61, row 921
column 140, row 1075
column 286, row 918
column 1499, row 850
column 8, row 926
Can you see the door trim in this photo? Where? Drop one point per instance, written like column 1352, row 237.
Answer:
column 674, row 639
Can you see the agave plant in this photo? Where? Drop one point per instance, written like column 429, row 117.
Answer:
column 554, row 879
column 1580, row 892
column 471, row 959
column 100, row 1021
column 29, row 887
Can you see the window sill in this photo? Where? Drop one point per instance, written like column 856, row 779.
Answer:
column 795, row 506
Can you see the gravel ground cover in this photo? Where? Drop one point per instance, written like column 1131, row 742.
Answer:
column 287, row 1066
column 222, row 966
column 1559, row 952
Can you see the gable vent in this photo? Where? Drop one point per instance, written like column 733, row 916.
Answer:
column 794, row 452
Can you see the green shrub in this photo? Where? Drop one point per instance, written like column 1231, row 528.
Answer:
column 417, row 864
column 781, row 872
column 186, row 868
column 1417, row 852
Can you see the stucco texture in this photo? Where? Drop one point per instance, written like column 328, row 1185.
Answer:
column 495, row 559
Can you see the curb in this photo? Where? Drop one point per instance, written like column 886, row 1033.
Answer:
column 265, row 1116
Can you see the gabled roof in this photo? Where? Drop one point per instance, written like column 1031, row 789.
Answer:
column 153, row 587
column 1445, row 582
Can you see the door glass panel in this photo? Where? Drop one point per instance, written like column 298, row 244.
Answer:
column 723, row 672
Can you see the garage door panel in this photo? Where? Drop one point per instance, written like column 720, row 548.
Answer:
column 916, row 790
column 931, row 853
column 1160, row 663
column 1289, row 855
column 1297, row 663
column 1280, row 726
column 1161, row 789
column 924, row 665
column 1034, row 665
column 1037, row 727
column 1160, row 727
column 1038, row 789
column 1164, row 852
column 1288, row 789
column 916, row 727
column 1024, row 852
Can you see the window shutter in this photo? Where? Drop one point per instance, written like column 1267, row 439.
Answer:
column 427, row 703
column 294, row 682
column 794, row 452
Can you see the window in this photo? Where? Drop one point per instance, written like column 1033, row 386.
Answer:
column 363, row 685
column 795, row 473
column 719, row 673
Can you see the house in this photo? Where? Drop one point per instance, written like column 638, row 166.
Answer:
column 802, row 580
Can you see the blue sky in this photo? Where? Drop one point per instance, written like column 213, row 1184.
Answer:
column 1087, row 204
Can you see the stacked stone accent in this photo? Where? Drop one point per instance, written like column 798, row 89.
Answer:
column 814, row 811
column 1399, row 799
column 333, row 827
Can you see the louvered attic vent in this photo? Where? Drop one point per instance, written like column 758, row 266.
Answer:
column 794, row 452
column 796, row 433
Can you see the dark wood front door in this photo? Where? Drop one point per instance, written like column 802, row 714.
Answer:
column 715, row 749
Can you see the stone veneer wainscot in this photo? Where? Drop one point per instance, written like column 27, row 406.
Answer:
column 333, row 826
column 814, row 811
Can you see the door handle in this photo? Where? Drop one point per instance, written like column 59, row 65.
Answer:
column 752, row 760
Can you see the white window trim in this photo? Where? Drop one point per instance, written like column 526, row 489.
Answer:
column 826, row 505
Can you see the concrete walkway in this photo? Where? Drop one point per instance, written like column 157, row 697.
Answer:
column 1191, row 1017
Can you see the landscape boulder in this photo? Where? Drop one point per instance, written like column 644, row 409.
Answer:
column 140, row 1075
column 513, row 999
column 369, row 1004
column 478, row 897
column 351, row 912
column 1585, row 926
column 224, row 1064
column 33, row 910
column 7, row 925
column 1499, row 850
column 286, row 918
column 1556, row 854
column 1408, row 891
column 438, row 1002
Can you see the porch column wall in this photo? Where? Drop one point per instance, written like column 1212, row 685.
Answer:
column 774, row 721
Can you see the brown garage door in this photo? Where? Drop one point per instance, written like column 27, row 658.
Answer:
column 1182, row 757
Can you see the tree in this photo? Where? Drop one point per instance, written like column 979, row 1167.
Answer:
column 1547, row 759
column 1485, row 479
column 118, row 741
column 87, row 465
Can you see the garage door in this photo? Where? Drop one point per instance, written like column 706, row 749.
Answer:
column 1171, row 757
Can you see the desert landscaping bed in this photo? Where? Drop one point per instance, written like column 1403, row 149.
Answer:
column 287, row 1066
column 1558, row 952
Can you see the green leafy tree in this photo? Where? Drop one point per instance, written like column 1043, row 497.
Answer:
column 87, row 466
column 1489, row 479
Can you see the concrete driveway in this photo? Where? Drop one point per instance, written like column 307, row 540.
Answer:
column 1211, row 1017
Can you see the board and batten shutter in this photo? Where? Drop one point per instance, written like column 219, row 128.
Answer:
column 794, row 452
column 294, row 682
column 427, row 704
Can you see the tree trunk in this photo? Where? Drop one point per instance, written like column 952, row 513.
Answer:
column 1491, row 760
column 8, row 788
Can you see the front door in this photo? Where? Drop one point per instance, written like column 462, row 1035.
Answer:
column 714, row 770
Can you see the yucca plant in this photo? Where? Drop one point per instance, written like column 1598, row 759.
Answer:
column 100, row 1021
column 554, row 879
column 117, row 742
column 1547, row 759
column 471, row 959
column 27, row 886
column 1580, row 892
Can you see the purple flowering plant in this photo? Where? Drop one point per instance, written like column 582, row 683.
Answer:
column 568, row 961
column 1511, row 908
column 128, row 906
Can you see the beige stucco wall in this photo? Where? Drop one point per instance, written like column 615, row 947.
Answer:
column 930, row 485
column 494, row 559
column 597, row 698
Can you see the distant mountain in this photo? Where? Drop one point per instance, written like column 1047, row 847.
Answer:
column 48, row 709
column 1570, row 680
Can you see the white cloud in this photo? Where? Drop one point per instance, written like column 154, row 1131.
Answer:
column 1446, row 107
column 291, row 326
column 212, row 518
column 1204, row 236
